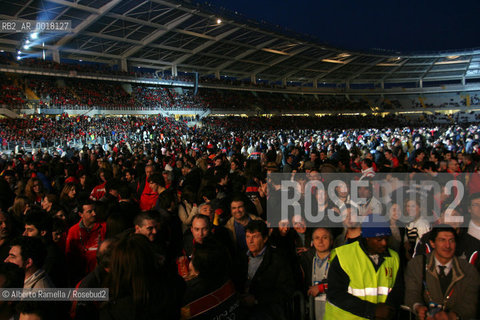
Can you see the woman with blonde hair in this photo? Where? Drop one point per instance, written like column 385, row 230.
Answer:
column 21, row 205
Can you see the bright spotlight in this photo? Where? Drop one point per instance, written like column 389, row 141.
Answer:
column 19, row 52
column 34, row 36
column 27, row 41
column 25, row 46
column 19, row 58
column 219, row 21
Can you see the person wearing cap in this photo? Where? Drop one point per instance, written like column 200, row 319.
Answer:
column 440, row 285
column 364, row 278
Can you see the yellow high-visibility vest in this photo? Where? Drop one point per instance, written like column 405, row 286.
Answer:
column 365, row 283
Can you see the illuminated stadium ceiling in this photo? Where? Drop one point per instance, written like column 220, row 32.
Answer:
column 162, row 34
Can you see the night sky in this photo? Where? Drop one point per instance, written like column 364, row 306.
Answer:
column 405, row 26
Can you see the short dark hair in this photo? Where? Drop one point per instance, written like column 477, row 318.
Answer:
column 157, row 178
column 141, row 217
column 14, row 275
column 257, row 225
column 368, row 162
column 31, row 248
column 238, row 198
column 85, row 202
column 474, row 196
column 442, row 228
column 204, row 218
column 330, row 233
column 41, row 220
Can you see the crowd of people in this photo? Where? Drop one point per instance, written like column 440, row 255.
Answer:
column 77, row 93
column 71, row 93
column 184, row 222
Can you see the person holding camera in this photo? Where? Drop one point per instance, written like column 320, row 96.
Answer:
column 440, row 286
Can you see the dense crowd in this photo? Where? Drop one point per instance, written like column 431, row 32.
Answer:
column 71, row 93
column 168, row 216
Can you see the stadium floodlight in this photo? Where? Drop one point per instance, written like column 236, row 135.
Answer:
column 19, row 58
column 34, row 36
column 26, row 46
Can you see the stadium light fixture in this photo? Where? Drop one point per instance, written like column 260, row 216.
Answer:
column 334, row 61
column 452, row 62
column 34, row 36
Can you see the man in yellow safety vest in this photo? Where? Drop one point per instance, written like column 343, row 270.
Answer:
column 364, row 278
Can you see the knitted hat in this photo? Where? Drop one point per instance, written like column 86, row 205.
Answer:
column 376, row 226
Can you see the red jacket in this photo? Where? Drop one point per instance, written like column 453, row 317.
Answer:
column 98, row 192
column 148, row 199
column 81, row 249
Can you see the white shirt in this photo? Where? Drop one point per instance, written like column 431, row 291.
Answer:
column 474, row 230
column 448, row 266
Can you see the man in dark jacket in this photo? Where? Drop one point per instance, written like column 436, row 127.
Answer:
column 441, row 285
column 314, row 264
column 269, row 283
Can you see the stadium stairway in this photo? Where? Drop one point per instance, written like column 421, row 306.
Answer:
column 8, row 113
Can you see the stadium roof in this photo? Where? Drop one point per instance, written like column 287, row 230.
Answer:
column 170, row 34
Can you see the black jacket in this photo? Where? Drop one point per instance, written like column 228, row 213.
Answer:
column 273, row 282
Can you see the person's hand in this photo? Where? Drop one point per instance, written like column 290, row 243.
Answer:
column 301, row 249
column 262, row 190
column 383, row 312
column 313, row 291
column 421, row 312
